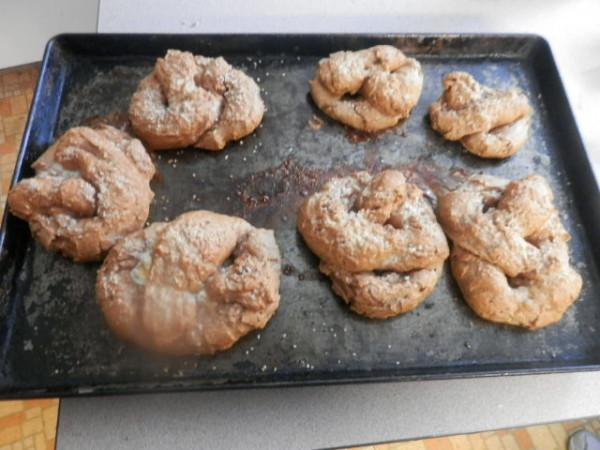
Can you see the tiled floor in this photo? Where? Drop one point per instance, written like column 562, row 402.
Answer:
column 28, row 424
column 542, row 437
column 32, row 424
column 16, row 91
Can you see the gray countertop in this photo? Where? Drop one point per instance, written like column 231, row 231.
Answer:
column 325, row 416
column 344, row 415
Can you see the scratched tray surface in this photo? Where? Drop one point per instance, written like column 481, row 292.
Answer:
column 55, row 341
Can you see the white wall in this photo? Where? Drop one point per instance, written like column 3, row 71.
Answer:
column 26, row 26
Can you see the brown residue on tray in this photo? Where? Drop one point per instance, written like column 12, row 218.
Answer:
column 358, row 136
column 316, row 122
column 158, row 176
column 288, row 270
column 433, row 180
column 311, row 275
column 282, row 189
column 279, row 192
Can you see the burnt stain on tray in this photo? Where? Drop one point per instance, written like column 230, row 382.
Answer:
column 278, row 193
column 53, row 337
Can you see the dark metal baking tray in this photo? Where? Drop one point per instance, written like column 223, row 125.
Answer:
column 54, row 341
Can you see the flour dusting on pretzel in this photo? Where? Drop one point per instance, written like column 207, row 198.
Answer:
column 386, row 83
column 192, row 286
column 91, row 189
column 510, row 255
column 378, row 241
column 490, row 123
column 196, row 101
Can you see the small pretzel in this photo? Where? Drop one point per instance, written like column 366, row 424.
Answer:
column 195, row 101
column 91, row 188
column 192, row 286
column 488, row 122
column 388, row 83
column 361, row 225
column 510, row 255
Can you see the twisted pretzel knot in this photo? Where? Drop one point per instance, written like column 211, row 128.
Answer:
column 195, row 100
column 488, row 122
column 510, row 258
column 363, row 225
column 388, row 82
column 192, row 286
column 91, row 188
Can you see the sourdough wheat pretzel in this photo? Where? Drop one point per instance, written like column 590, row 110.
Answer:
column 191, row 286
column 510, row 255
column 378, row 241
column 490, row 123
column 370, row 89
column 191, row 100
column 91, row 189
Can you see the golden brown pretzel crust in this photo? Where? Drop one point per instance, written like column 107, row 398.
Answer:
column 170, row 288
column 361, row 225
column 491, row 123
column 195, row 100
column 91, row 189
column 388, row 82
column 380, row 296
column 510, row 255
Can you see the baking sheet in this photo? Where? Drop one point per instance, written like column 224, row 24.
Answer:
column 55, row 341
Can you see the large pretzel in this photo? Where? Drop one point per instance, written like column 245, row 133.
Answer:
column 195, row 101
column 91, row 188
column 491, row 123
column 361, row 226
column 510, row 255
column 388, row 85
column 192, row 286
